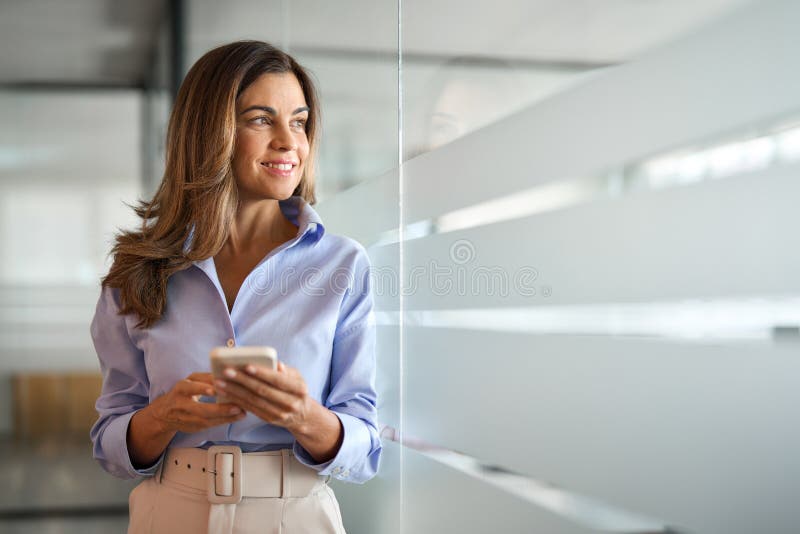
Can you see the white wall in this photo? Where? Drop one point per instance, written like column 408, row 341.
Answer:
column 68, row 161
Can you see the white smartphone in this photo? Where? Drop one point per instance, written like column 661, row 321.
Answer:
column 222, row 357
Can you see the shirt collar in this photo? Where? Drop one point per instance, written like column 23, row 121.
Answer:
column 298, row 211
column 302, row 215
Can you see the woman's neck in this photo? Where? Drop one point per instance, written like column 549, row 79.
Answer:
column 258, row 223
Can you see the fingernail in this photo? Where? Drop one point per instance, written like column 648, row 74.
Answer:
column 235, row 410
column 230, row 373
column 220, row 383
column 250, row 369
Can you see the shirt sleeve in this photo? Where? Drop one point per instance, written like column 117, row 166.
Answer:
column 352, row 394
column 125, row 388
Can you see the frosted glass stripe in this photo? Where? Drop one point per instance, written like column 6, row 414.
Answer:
column 665, row 99
column 364, row 211
column 758, row 319
column 439, row 498
column 651, row 426
column 582, row 510
column 720, row 239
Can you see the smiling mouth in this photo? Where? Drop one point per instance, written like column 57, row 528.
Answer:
column 279, row 170
column 279, row 166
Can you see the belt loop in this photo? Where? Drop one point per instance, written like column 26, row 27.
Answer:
column 286, row 474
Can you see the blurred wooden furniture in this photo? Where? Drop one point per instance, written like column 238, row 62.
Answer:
column 54, row 404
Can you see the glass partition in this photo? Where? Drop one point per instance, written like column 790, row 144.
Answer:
column 597, row 294
column 577, row 216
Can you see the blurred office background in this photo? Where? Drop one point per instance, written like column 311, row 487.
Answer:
column 579, row 215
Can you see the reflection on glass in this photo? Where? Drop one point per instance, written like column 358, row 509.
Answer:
column 464, row 98
column 449, row 100
column 719, row 160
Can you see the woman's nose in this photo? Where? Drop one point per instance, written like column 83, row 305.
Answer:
column 283, row 139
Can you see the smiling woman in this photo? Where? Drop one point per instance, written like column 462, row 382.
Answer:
column 271, row 139
column 233, row 214
column 269, row 159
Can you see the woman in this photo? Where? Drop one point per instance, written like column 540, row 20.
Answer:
column 231, row 252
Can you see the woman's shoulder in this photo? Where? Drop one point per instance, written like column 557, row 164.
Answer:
column 346, row 248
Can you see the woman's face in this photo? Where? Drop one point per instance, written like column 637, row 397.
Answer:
column 271, row 143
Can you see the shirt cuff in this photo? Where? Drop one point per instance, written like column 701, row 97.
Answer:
column 355, row 441
column 115, row 443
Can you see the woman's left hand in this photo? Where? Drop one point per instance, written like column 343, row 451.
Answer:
column 279, row 397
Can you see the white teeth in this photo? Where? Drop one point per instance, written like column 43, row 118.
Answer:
column 280, row 166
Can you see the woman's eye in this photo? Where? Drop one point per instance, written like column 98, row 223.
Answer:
column 261, row 120
column 300, row 123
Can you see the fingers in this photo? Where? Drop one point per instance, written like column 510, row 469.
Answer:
column 206, row 415
column 190, row 388
column 260, row 407
column 274, row 395
column 245, row 399
column 210, row 410
column 187, row 401
column 206, row 378
column 285, row 378
column 256, row 393
column 187, row 414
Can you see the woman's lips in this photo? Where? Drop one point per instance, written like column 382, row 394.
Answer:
column 278, row 171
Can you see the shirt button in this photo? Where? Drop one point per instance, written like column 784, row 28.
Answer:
column 337, row 470
column 231, row 342
column 346, row 473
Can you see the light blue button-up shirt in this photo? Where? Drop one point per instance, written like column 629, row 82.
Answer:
column 309, row 298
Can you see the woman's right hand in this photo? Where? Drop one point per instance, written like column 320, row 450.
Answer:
column 152, row 428
column 179, row 410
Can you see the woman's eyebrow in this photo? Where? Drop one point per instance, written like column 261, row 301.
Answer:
column 271, row 111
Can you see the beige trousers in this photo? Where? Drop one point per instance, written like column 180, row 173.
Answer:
column 160, row 506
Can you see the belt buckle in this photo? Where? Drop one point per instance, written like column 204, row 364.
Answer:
column 224, row 462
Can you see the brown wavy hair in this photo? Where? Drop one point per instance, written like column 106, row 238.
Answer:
column 198, row 191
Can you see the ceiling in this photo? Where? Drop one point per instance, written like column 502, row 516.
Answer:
column 83, row 43
column 110, row 42
column 541, row 46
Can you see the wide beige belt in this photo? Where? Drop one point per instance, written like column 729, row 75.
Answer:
column 227, row 474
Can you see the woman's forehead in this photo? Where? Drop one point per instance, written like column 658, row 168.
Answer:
column 273, row 89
